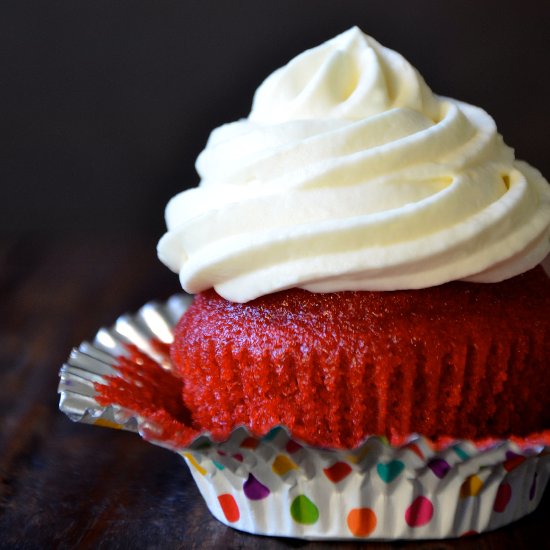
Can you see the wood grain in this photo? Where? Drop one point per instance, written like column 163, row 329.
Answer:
column 65, row 485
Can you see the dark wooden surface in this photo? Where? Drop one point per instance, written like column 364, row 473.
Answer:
column 65, row 485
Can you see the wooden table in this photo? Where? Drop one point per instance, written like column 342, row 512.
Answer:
column 65, row 485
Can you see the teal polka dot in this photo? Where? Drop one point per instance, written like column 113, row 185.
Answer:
column 390, row 470
column 463, row 455
column 271, row 434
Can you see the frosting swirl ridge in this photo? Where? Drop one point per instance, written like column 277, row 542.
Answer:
column 350, row 174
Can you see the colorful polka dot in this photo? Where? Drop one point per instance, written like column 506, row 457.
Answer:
column 361, row 522
column 355, row 458
column 292, row 446
column 337, row 472
column 504, row 494
column 195, row 464
column 107, row 424
column 229, row 507
column 390, row 470
column 271, row 435
column 282, row 464
column 254, row 490
column 304, row 511
column 439, row 467
column 461, row 453
column 238, row 456
column 420, row 512
column 513, row 460
column 249, row 443
column 218, row 465
column 471, row 487
column 415, row 449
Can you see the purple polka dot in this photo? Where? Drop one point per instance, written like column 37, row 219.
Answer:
column 439, row 467
column 254, row 490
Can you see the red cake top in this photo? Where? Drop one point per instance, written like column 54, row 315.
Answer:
column 296, row 324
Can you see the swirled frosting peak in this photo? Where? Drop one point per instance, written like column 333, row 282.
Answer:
column 350, row 174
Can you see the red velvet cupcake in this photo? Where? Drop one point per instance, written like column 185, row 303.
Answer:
column 363, row 252
column 364, row 257
column 460, row 360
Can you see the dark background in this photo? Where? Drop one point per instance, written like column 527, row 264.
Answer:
column 104, row 105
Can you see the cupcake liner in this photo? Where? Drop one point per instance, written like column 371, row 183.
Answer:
column 378, row 491
column 276, row 485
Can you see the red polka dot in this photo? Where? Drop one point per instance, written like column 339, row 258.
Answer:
column 338, row 471
column 229, row 507
column 420, row 512
column 470, row 533
column 292, row 446
column 250, row 443
column 504, row 494
column 415, row 449
column 513, row 462
column 361, row 521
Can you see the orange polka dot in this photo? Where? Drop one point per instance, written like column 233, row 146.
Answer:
column 361, row 521
column 230, row 508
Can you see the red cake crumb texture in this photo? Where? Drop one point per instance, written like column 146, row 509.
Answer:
column 462, row 360
column 144, row 387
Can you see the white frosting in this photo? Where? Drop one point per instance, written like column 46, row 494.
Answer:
column 350, row 174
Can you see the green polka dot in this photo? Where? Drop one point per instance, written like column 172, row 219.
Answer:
column 218, row 465
column 303, row 510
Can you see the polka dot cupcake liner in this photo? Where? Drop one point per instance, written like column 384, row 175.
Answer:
column 275, row 485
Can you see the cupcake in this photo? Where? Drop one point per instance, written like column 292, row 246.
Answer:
column 365, row 255
column 367, row 352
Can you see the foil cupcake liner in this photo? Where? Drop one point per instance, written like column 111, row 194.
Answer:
column 278, row 486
